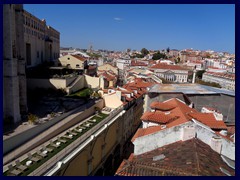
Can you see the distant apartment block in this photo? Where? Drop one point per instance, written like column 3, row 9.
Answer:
column 226, row 80
column 41, row 42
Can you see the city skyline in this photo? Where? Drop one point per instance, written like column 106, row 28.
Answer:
column 158, row 26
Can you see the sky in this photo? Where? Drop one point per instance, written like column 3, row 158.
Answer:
column 137, row 26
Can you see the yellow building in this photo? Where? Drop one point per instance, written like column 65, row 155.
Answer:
column 73, row 62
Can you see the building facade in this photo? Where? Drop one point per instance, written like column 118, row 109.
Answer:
column 41, row 42
column 27, row 42
column 226, row 80
column 14, row 76
column 172, row 73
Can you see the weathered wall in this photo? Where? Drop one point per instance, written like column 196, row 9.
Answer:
column 161, row 138
column 227, row 148
column 170, row 135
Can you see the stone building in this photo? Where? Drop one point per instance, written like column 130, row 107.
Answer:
column 14, row 77
column 42, row 42
column 27, row 42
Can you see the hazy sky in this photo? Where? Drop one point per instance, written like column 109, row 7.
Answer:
column 153, row 26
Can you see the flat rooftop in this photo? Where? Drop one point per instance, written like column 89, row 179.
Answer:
column 189, row 89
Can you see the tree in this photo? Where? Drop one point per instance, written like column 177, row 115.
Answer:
column 199, row 74
column 177, row 60
column 144, row 51
column 158, row 55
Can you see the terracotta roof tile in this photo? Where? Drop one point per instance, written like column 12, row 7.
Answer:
column 209, row 120
column 158, row 117
column 166, row 66
column 162, row 106
column 79, row 57
column 145, row 131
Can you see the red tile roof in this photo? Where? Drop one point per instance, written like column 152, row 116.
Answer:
column 158, row 117
column 137, row 63
column 162, row 106
column 183, row 158
column 178, row 114
column 109, row 76
column 79, row 57
column 145, row 131
column 166, row 66
column 209, row 120
column 222, row 75
column 138, row 83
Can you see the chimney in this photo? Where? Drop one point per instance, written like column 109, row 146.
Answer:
column 216, row 144
column 188, row 132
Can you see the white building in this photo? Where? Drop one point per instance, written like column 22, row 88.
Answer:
column 172, row 120
column 123, row 63
column 172, row 73
column 226, row 80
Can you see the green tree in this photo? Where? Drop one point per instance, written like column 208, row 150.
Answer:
column 158, row 55
column 177, row 60
column 144, row 51
column 199, row 74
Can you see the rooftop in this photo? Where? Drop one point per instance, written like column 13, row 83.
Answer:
column 182, row 158
column 189, row 89
column 166, row 66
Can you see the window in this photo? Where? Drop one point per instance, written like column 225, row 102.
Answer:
column 77, row 66
column 68, row 58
